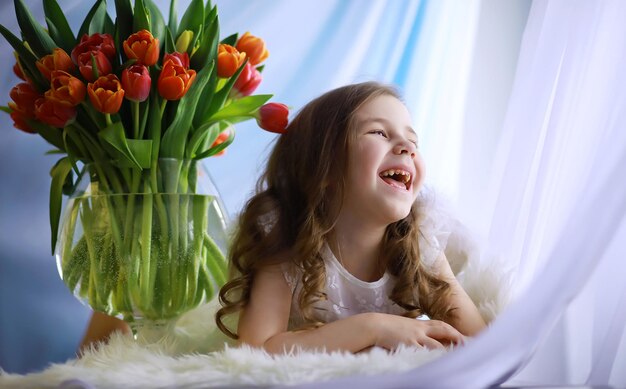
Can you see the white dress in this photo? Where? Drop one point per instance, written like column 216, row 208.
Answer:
column 348, row 295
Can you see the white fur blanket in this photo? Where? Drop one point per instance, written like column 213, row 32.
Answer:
column 195, row 354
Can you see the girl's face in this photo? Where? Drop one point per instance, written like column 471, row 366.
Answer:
column 385, row 169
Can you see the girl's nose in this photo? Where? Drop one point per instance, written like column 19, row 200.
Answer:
column 405, row 147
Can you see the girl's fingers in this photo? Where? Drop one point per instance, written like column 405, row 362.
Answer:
column 431, row 344
column 446, row 332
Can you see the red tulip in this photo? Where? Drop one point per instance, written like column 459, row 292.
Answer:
column 53, row 113
column 174, row 80
column 249, row 79
column 23, row 105
column 181, row 59
column 66, row 89
column 58, row 60
column 273, row 117
column 136, row 82
column 228, row 60
column 143, row 47
column 17, row 69
column 95, row 42
column 102, row 64
column 20, row 122
column 106, row 94
column 254, row 48
column 24, row 97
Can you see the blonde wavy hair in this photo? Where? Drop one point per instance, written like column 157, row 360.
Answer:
column 295, row 207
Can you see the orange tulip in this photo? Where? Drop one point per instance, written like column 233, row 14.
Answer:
column 58, row 60
column 102, row 64
column 66, row 89
column 221, row 138
column 143, row 47
column 106, row 94
column 254, row 48
column 228, row 60
column 272, row 117
column 174, row 80
column 95, row 42
column 53, row 113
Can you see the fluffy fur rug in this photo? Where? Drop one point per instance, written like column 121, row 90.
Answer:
column 196, row 354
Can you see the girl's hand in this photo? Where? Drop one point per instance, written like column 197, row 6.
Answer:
column 391, row 331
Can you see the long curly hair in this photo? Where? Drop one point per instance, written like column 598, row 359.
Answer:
column 296, row 205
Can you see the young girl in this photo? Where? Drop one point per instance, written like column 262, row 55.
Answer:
column 329, row 253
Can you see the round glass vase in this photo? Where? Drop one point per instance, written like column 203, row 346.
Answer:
column 145, row 245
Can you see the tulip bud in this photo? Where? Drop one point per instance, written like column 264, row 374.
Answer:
column 181, row 59
column 54, row 114
column 136, row 82
column 58, row 60
column 183, row 41
column 66, row 89
column 254, row 48
column 249, row 79
column 174, row 80
column 143, row 47
column 228, row 60
column 103, row 65
column 273, row 117
column 106, row 94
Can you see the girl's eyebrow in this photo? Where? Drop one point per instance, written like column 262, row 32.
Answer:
column 385, row 122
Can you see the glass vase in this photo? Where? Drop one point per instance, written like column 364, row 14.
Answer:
column 145, row 245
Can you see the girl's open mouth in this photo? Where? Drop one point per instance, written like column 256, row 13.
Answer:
column 397, row 178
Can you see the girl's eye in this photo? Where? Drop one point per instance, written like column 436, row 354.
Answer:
column 414, row 142
column 379, row 132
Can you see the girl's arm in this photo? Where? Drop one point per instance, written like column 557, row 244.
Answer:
column 100, row 328
column 263, row 323
column 468, row 320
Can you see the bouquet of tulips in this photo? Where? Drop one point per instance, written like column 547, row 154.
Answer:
column 136, row 101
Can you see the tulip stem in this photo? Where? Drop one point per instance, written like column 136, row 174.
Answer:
column 107, row 117
column 134, row 105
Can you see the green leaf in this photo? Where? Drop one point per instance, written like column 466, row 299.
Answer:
column 141, row 19
column 206, row 133
column 124, row 21
column 170, row 46
column 6, row 109
column 207, row 51
column 172, row 22
column 230, row 40
column 84, row 28
column 37, row 38
column 193, row 17
column 141, row 149
column 114, row 136
column 63, row 34
column 214, row 150
column 204, row 104
column 59, row 174
column 157, row 22
column 220, row 97
column 27, row 59
column 52, row 135
column 242, row 107
column 175, row 137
